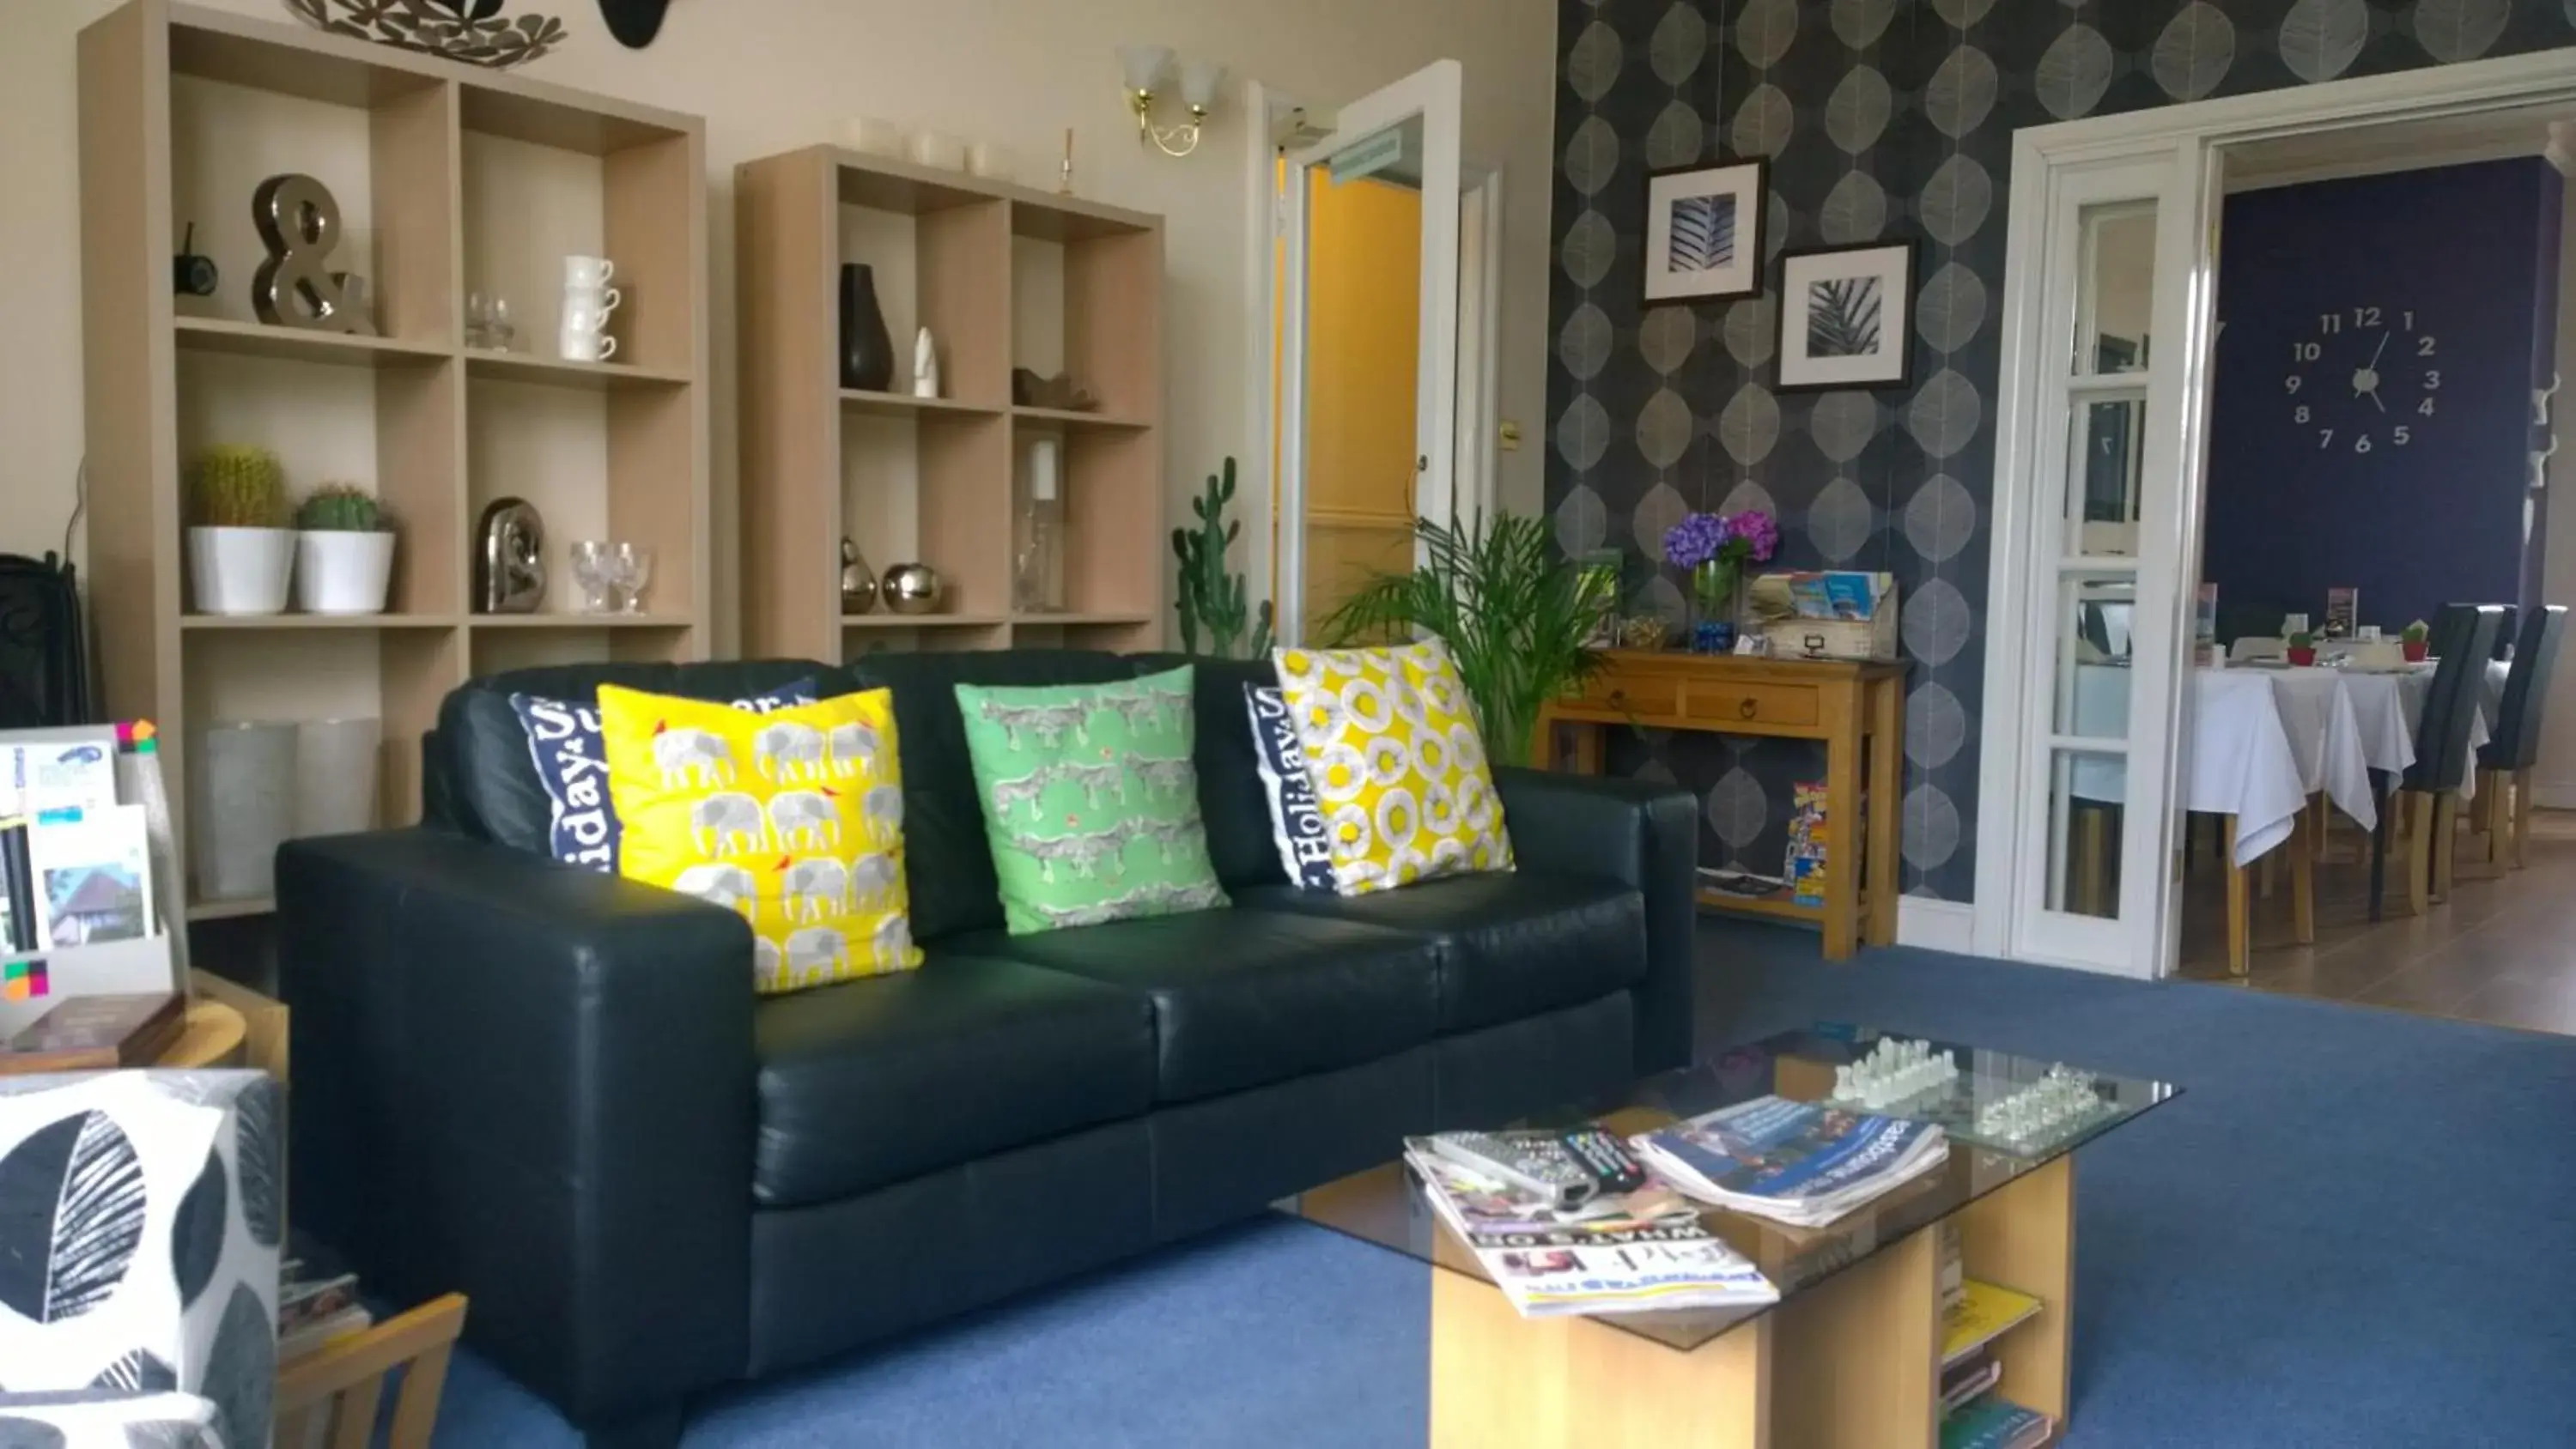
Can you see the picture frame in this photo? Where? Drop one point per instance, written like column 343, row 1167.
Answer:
column 1847, row 317
column 1704, row 232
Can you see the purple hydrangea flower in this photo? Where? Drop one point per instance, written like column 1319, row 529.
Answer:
column 1757, row 530
column 1695, row 540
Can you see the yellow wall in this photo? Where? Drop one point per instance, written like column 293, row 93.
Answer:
column 1363, row 326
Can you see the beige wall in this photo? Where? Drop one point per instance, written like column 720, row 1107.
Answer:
column 771, row 75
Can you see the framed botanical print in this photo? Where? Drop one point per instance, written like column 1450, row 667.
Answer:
column 1704, row 232
column 1846, row 315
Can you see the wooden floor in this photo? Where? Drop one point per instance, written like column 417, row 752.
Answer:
column 2501, row 951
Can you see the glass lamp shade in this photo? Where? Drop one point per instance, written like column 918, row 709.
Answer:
column 1145, row 65
column 1199, row 80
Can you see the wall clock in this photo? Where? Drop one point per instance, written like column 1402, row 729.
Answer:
column 2363, row 380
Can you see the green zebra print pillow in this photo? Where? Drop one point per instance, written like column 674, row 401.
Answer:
column 1091, row 802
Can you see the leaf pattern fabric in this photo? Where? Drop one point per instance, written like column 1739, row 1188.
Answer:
column 1090, row 796
column 1397, row 762
column 145, row 1293
column 76, row 1188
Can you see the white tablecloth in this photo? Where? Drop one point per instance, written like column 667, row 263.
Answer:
column 2263, row 740
column 2242, row 760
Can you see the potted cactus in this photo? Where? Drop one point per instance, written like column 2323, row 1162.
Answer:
column 2417, row 640
column 240, row 549
column 2303, row 648
column 344, row 551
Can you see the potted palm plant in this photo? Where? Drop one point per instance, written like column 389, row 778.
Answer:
column 344, row 551
column 1519, row 619
column 240, row 550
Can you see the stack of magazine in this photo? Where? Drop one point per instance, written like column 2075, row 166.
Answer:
column 1800, row 1163
column 1617, row 1253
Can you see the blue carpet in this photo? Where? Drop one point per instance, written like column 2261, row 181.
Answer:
column 2350, row 1232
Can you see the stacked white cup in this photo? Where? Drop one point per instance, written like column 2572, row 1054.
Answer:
column 587, row 301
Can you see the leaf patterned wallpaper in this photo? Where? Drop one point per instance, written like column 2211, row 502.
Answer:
column 1881, row 119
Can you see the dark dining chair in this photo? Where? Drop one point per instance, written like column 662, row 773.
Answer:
column 2508, row 757
column 2428, row 794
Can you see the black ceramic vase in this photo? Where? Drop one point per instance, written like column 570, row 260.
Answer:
column 867, row 354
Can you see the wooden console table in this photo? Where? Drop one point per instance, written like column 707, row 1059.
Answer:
column 1855, row 708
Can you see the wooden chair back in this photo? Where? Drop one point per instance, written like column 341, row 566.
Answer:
column 338, row 1389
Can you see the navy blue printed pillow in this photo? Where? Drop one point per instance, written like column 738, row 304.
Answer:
column 1296, row 824
column 564, row 740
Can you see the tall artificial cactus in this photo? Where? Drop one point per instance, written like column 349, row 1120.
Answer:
column 1210, row 593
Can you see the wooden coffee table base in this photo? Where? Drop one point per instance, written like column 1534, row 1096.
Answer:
column 1853, row 1363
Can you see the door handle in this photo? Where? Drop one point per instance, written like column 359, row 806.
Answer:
column 1746, row 708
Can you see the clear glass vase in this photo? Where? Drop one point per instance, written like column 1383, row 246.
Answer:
column 1713, row 607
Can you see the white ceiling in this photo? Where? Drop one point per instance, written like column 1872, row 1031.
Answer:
column 2406, row 146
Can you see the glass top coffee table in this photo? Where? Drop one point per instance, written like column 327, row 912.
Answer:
column 1849, row 1358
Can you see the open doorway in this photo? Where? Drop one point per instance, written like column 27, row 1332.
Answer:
column 1378, row 252
column 2391, row 323
column 2105, row 477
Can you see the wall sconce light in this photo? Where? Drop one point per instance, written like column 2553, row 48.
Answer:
column 1148, row 69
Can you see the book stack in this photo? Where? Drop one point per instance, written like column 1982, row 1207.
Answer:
column 1799, row 1163
column 317, row 1299
column 1993, row 1423
column 1614, row 1253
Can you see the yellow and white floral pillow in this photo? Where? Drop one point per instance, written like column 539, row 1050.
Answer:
column 1398, row 767
column 793, row 818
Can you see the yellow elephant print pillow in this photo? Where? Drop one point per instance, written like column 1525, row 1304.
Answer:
column 793, row 818
column 1398, row 766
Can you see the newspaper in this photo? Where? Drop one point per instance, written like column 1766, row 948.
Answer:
column 1799, row 1163
column 1643, row 1251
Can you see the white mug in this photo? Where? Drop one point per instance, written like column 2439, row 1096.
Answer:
column 580, row 346
column 581, row 271
column 588, row 310
column 584, row 319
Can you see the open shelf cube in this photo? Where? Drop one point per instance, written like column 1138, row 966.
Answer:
column 941, row 480
column 447, row 179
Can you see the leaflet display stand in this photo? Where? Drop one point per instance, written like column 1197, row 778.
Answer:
column 33, row 982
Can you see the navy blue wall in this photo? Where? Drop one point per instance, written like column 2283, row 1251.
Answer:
column 2447, row 279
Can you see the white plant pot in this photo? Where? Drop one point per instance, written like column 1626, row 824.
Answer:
column 240, row 570
column 338, row 572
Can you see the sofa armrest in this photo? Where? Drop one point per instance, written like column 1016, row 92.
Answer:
column 533, row 1084
column 1640, row 833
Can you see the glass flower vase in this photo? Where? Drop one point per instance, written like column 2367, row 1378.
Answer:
column 1713, row 613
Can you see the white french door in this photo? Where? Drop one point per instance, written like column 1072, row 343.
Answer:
column 2092, row 565
column 1349, row 486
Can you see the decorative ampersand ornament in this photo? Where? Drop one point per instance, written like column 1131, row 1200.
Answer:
column 300, row 223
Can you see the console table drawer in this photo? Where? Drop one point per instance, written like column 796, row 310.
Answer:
column 1720, row 703
column 1624, row 692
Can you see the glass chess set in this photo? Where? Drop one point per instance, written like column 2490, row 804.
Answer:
column 1901, row 1077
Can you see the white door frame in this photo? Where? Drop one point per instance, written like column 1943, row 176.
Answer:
column 1477, row 378
column 2189, row 140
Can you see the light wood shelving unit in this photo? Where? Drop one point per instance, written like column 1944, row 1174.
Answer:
column 431, row 148
column 981, row 264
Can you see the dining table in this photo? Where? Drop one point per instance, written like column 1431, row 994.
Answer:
column 2265, row 739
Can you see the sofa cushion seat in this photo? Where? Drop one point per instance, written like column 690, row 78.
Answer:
column 880, row 1079
column 1510, row 945
column 1245, row 998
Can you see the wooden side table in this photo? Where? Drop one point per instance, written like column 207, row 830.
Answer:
column 1856, row 709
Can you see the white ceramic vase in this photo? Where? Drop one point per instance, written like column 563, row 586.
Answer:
column 240, row 570
column 341, row 572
